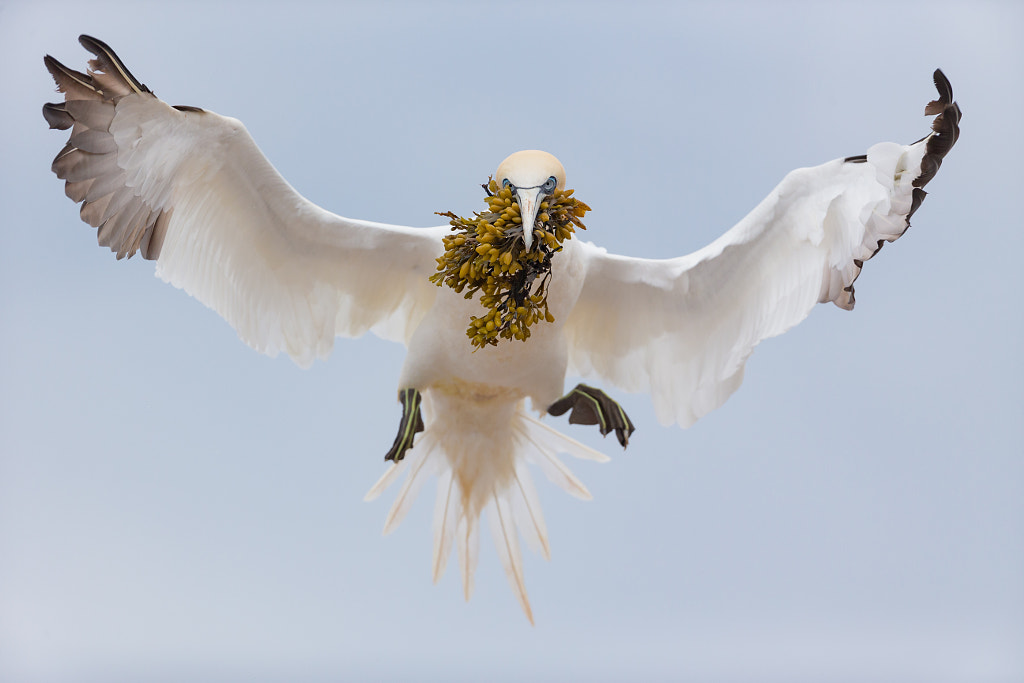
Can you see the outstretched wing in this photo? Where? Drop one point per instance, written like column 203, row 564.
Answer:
column 191, row 190
column 683, row 328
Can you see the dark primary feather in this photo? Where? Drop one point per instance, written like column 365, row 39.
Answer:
column 945, row 131
column 946, row 127
column 88, row 163
column 57, row 116
column 74, row 84
column 108, row 69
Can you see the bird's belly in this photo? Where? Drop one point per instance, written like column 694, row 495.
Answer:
column 440, row 352
column 441, row 358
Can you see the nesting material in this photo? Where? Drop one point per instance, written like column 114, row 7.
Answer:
column 487, row 254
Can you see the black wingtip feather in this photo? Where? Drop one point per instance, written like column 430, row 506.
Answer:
column 107, row 59
column 945, row 127
column 915, row 203
column 126, row 222
column 57, row 116
column 67, row 78
column 945, row 131
column 945, row 89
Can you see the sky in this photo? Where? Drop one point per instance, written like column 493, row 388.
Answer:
column 175, row 506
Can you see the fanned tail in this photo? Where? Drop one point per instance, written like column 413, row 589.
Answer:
column 479, row 450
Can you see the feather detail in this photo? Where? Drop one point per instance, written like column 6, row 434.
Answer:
column 469, row 552
column 503, row 531
column 413, row 483
column 57, row 116
column 90, row 113
column 74, row 84
column 554, row 469
column 528, row 509
column 704, row 312
column 390, row 475
column 447, row 512
column 191, row 190
column 109, row 71
column 560, row 443
column 480, row 448
column 89, row 162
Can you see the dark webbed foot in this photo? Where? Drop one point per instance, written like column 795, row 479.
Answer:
column 592, row 406
column 412, row 422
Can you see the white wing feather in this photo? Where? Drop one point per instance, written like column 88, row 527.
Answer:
column 191, row 189
column 286, row 274
column 683, row 328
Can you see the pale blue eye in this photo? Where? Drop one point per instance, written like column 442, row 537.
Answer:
column 549, row 185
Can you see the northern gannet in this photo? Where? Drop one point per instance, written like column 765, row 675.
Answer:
column 190, row 189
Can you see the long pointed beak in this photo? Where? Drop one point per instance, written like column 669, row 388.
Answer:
column 529, row 204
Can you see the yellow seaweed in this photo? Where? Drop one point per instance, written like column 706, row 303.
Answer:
column 486, row 252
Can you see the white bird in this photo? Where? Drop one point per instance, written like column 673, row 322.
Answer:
column 190, row 189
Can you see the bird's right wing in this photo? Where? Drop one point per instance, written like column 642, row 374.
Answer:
column 683, row 328
column 190, row 189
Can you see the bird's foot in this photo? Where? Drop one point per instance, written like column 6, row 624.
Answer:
column 412, row 422
column 592, row 406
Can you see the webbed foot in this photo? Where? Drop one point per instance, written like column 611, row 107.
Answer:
column 592, row 406
column 410, row 425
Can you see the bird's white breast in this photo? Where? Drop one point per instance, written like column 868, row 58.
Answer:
column 441, row 357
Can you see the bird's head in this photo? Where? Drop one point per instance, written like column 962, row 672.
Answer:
column 531, row 175
column 497, row 254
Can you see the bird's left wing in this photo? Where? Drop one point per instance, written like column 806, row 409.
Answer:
column 190, row 189
column 683, row 328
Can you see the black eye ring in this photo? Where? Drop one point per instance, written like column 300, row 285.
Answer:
column 506, row 183
column 549, row 185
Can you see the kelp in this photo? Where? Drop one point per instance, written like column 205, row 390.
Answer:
column 487, row 254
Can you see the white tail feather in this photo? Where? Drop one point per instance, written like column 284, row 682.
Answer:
column 563, row 444
column 413, row 483
column 503, row 530
column 386, row 480
column 527, row 508
column 447, row 512
column 469, row 551
column 553, row 468
column 479, row 449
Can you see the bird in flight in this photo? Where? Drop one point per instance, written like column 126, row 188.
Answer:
column 494, row 309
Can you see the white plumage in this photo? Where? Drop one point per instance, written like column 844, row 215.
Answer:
column 191, row 190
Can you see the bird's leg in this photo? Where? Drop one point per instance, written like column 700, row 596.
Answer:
column 412, row 422
column 592, row 406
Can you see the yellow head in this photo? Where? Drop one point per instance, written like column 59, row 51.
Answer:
column 532, row 175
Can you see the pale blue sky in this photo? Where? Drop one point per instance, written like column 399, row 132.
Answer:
column 175, row 506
